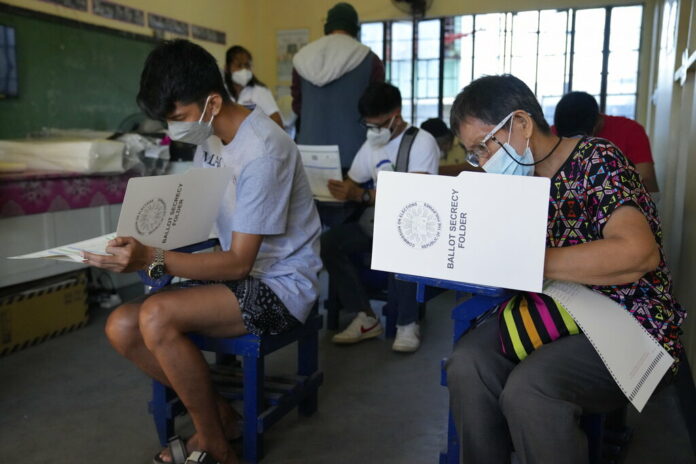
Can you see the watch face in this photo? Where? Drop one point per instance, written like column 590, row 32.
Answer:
column 156, row 271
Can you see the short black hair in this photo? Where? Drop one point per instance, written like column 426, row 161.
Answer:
column 436, row 127
column 576, row 114
column 491, row 98
column 379, row 98
column 178, row 71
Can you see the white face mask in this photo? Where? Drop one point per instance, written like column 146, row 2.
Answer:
column 379, row 137
column 507, row 161
column 242, row 77
column 196, row 132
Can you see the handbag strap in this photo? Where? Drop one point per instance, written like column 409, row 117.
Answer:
column 404, row 154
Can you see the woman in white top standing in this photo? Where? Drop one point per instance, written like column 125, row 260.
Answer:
column 244, row 87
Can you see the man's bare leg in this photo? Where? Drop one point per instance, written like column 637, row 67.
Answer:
column 160, row 348
column 123, row 331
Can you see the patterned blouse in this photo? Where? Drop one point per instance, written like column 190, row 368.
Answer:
column 595, row 180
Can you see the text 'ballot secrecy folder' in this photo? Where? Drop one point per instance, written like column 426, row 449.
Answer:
column 484, row 229
column 166, row 212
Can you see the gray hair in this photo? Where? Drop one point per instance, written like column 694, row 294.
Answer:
column 491, row 98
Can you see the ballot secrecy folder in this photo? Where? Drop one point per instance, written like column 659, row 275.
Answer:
column 484, row 229
column 166, row 212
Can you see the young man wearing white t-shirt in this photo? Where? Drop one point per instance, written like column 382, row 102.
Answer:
column 380, row 108
column 263, row 281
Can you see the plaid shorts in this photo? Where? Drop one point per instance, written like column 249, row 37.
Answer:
column 262, row 311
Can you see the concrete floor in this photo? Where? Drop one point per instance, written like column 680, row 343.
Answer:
column 73, row 400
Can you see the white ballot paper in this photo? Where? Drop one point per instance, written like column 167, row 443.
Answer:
column 72, row 252
column 485, row 229
column 636, row 361
column 321, row 163
column 166, row 212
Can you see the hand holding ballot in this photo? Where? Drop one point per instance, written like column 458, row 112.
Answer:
column 345, row 190
column 164, row 212
column 124, row 254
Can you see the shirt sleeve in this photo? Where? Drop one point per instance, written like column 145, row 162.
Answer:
column 296, row 92
column 264, row 99
column 609, row 184
column 377, row 73
column 263, row 197
column 360, row 170
column 425, row 154
column 638, row 145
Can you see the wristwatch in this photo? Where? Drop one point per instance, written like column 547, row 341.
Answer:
column 366, row 196
column 156, row 269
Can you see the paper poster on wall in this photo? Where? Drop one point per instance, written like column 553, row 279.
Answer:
column 289, row 42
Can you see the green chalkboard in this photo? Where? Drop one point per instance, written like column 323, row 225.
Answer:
column 71, row 75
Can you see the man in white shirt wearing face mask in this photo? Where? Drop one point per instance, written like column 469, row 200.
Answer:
column 380, row 108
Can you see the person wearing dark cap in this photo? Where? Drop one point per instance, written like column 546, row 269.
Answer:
column 577, row 113
column 452, row 155
column 329, row 76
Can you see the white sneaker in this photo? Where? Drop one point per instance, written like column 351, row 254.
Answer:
column 407, row 338
column 361, row 328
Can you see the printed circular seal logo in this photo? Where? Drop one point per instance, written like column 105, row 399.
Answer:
column 150, row 216
column 419, row 225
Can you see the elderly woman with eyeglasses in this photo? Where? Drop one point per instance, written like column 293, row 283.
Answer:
column 603, row 232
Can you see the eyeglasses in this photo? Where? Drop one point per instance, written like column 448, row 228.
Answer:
column 369, row 125
column 480, row 151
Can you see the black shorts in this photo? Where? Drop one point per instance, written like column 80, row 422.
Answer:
column 262, row 311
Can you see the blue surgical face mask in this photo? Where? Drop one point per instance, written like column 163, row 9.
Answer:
column 507, row 161
column 196, row 132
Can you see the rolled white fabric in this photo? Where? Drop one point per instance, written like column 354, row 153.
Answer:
column 74, row 155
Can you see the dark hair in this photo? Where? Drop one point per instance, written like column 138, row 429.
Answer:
column 342, row 16
column 230, row 55
column 379, row 98
column 576, row 114
column 491, row 98
column 437, row 128
column 178, row 71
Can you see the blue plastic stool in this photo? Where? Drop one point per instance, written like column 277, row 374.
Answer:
column 266, row 400
column 262, row 408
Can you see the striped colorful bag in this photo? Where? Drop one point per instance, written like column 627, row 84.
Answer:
column 529, row 320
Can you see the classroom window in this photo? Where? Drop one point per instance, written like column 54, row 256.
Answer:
column 8, row 63
column 595, row 50
column 427, row 78
column 372, row 35
column 399, row 66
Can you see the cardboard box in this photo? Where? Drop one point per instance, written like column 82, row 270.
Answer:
column 33, row 312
